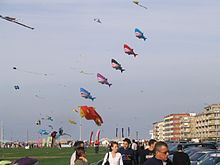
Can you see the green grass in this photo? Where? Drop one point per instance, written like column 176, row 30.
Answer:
column 49, row 156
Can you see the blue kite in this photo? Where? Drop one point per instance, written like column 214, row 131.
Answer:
column 43, row 132
column 139, row 34
column 84, row 93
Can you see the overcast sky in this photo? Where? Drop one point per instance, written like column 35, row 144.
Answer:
column 177, row 69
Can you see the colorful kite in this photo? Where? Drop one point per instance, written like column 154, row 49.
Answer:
column 14, row 20
column 129, row 50
column 117, row 66
column 71, row 121
column 139, row 34
column 90, row 114
column 101, row 79
column 85, row 94
column 43, row 132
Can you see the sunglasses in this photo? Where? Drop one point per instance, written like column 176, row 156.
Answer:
column 166, row 152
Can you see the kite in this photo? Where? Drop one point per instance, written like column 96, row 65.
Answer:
column 61, row 133
column 97, row 141
column 139, row 34
column 90, row 114
column 90, row 139
column 38, row 122
column 50, row 126
column 16, row 87
column 53, row 134
column 39, row 97
column 129, row 50
column 84, row 93
column 71, row 121
column 101, row 79
column 14, row 20
column 49, row 118
column 75, row 110
column 137, row 3
column 86, row 73
column 30, row 72
column 43, row 132
column 97, row 20
column 117, row 66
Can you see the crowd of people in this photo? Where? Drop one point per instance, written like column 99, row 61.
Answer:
column 134, row 153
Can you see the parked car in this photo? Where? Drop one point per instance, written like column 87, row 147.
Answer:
column 200, row 155
column 211, row 159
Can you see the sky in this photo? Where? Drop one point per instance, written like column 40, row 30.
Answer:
column 176, row 71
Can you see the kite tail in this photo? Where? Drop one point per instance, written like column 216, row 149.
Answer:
column 122, row 70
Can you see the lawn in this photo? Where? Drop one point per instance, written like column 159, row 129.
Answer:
column 49, row 156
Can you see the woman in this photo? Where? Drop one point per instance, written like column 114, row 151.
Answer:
column 77, row 144
column 113, row 157
column 81, row 157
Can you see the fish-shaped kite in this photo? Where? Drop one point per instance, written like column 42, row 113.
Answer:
column 117, row 66
column 101, row 79
column 139, row 34
column 43, row 132
column 137, row 3
column 71, row 121
column 129, row 50
column 85, row 94
column 90, row 114
column 14, row 20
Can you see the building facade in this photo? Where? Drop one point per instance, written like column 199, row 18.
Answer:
column 208, row 123
column 158, row 131
column 172, row 126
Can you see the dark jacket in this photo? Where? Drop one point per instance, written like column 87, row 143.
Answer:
column 181, row 158
column 155, row 161
column 145, row 154
column 127, row 156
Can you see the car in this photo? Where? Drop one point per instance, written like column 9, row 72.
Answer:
column 212, row 159
column 206, row 145
column 200, row 155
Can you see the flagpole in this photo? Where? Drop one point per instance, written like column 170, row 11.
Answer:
column 2, row 136
column 80, row 129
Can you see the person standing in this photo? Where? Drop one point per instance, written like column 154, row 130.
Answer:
column 127, row 153
column 134, row 147
column 148, row 152
column 77, row 144
column 113, row 157
column 180, row 158
column 161, row 155
column 81, row 157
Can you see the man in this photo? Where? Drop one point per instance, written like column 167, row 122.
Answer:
column 134, row 147
column 161, row 155
column 127, row 153
column 149, row 152
column 180, row 158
